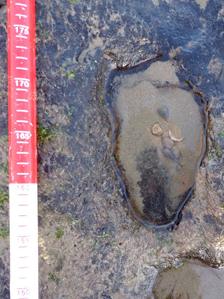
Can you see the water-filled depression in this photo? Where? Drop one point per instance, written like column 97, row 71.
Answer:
column 159, row 138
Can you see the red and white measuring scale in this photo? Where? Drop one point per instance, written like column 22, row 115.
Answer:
column 22, row 150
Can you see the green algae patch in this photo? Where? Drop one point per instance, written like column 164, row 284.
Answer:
column 159, row 141
column 4, row 232
column 59, row 233
column 4, row 198
column 44, row 134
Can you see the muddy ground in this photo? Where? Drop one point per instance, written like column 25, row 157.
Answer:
column 90, row 245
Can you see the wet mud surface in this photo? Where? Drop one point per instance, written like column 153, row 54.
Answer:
column 191, row 280
column 103, row 251
column 160, row 139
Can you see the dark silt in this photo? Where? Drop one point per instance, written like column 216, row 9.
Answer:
column 159, row 140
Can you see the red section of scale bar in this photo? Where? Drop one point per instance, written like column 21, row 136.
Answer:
column 22, row 91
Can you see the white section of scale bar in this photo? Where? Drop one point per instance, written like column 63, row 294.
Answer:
column 23, row 241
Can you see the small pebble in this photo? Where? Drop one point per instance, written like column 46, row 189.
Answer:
column 163, row 111
column 172, row 154
column 167, row 142
column 157, row 130
column 174, row 138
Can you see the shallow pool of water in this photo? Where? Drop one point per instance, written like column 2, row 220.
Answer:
column 193, row 280
column 159, row 136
